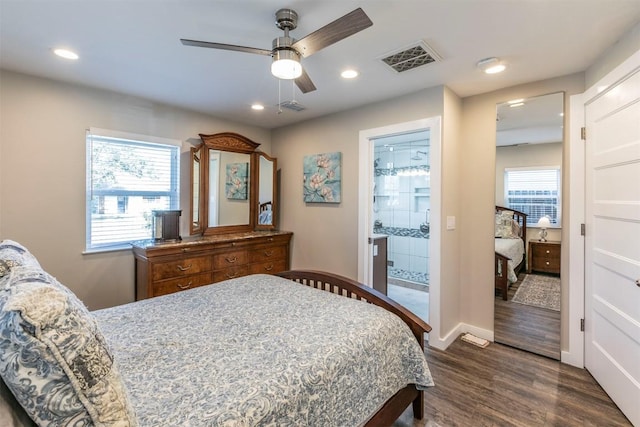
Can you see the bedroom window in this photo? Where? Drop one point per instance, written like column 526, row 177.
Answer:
column 128, row 176
column 536, row 192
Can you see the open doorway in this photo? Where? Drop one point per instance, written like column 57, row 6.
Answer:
column 401, row 211
column 399, row 198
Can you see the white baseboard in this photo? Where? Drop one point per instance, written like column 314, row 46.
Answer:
column 460, row 328
column 572, row 359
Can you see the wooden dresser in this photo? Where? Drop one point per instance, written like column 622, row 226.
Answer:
column 164, row 268
column 544, row 256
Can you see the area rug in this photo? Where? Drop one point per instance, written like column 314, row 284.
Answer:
column 539, row 291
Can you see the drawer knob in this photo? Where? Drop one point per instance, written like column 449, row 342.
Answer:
column 232, row 259
column 548, row 251
column 270, row 239
column 268, row 253
column 181, row 268
column 183, row 287
column 547, row 262
column 268, row 267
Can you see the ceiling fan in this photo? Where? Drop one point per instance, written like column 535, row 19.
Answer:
column 286, row 51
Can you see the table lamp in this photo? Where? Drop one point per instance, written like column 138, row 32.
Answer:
column 543, row 224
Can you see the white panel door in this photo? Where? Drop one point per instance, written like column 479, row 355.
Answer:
column 612, row 242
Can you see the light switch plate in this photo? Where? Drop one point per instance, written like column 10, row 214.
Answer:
column 451, row 223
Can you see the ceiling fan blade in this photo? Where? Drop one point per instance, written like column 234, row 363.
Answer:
column 333, row 32
column 304, row 83
column 223, row 46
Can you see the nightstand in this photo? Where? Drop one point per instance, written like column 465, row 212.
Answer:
column 544, row 257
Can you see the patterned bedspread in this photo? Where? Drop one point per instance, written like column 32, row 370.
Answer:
column 514, row 250
column 260, row 350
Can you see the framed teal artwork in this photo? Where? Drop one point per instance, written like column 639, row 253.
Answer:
column 236, row 181
column 322, row 178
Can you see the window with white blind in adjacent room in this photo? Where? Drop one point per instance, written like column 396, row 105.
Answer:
column 534, row 191
column 128, row 176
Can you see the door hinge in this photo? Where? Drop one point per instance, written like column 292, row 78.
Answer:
column 583, row 230
column 581, row 325
column 583, row 133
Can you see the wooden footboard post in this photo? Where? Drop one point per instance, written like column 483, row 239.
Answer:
column 418, row 405
column 502, row 281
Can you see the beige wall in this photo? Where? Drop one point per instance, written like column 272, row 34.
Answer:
column 452, row 205
column 521, row 156
column 478, row 164
column 42, row 171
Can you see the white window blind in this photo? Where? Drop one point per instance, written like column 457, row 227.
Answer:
column 127, row 178
column 536, row 192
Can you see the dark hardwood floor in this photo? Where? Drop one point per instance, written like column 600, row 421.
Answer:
column 528, row 328
column 504, row 386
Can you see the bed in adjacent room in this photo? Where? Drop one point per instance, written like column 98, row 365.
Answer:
column 307, row 348
column 510, row 243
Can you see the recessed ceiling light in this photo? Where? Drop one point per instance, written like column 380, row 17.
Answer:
column 349, row 74
column 491, row 65
column 515, row 101
column 517, row 104
column 65, row 53
column 257, row 107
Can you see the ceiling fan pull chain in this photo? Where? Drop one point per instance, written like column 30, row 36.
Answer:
column 279, row 98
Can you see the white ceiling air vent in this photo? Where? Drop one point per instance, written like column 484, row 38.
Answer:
column 292, row 105
column 411, row 57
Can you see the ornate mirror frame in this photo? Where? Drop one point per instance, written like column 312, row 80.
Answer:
column 266, row 191
column 201, row 156
column 226, row 142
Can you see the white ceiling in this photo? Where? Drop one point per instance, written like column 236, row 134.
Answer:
column 133, row 47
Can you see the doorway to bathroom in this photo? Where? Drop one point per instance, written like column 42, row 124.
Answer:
column 402, row 211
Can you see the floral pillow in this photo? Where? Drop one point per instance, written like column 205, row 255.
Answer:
column 53, row 357
column 11, row 413
column 506, row 227
column 13, row 254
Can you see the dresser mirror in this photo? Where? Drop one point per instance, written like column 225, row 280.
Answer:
column 196, row 222
column 231, row 185
column 267, row 167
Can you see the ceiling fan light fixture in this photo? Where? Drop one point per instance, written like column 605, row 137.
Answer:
column 491, row 65
column 286, row 64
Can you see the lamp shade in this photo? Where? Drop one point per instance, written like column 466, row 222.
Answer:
column 286, row 64
column 544, row 222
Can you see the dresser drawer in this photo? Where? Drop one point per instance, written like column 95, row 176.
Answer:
column 268, row 267
column 181, row 284
column 187, row 266
column 231, row 273
column 229, row 259
column 268, row 253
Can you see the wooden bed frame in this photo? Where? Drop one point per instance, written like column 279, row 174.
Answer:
column 500, row 264
column 396, row 405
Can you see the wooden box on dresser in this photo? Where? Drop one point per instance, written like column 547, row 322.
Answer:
column 164, row 268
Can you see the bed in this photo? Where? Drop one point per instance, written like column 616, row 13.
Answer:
column 510, row 244
column 305, row 348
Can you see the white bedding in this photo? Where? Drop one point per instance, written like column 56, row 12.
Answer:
column 514, row 250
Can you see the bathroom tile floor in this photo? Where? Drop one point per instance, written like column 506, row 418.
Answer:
column 414, row 300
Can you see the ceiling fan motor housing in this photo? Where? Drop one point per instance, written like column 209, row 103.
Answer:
column 286, row 19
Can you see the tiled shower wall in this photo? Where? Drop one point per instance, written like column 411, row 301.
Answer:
column 402, row 204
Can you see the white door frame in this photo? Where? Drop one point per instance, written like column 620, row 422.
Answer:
column 365, row 205
column 574, row 355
